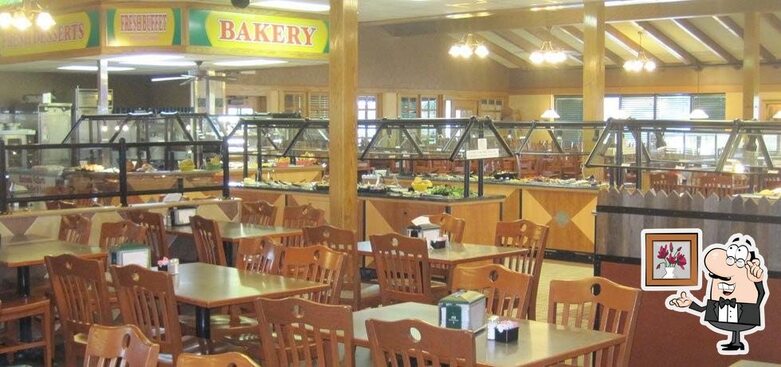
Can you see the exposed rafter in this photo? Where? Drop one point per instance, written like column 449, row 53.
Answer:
column 544, row 35
column 518, row 41
column 503, row 53
column 628, row 43
column 774, row 21
column 669, row 44
column 731, row 25
column 575, row 33
column 706, row 40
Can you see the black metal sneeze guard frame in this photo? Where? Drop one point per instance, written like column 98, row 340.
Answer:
column 122, row 149
column 123, row 120
column 549, row 127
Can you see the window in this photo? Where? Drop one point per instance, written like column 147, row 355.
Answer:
column 569, row 108
column 638, row 107
column 408, row 107
column 647, row 107
column 491, row 108
column 235, row 111
column 367, row 108
column 318, row 105
column 715, row 105
column 428, row 107
column 294, row 102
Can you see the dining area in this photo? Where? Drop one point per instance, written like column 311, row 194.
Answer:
column 301, row 292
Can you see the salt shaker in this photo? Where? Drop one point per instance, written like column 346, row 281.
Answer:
column 173, row 266
column 491, row 328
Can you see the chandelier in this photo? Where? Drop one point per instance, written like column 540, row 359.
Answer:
column 23, row 15
column 548, row 54
column 641, row 62
column 467, row 47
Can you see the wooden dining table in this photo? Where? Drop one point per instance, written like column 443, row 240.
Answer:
column 538, row 344
column 23, row 255
column 208, row 286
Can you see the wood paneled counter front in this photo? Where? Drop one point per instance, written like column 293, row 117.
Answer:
column 379, row 214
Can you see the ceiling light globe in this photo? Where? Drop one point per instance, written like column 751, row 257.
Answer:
column 649, row 66
column 481, row 51
column 466, row 51
column 455, row 50
column 21, row 22
column 537, row 57
column 44, row 21
column 6, row 20
column 550, row 57
column 560, row 57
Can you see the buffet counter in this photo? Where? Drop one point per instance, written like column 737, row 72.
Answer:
column 292, row 173
column 383, row 213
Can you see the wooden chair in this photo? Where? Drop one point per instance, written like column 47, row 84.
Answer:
column 533, row 237
column 259, row 212
column 299, row 217
column 355, row 293
column 122, row 345
column 664, row 181
column 599, row 304
column 414, row 342
column 723, row 185
column 208, row 241
column 230, row 359
column 18, row 309
column 146, row 300
column 82, row 298
column 507, row 291
column 118, row 233
column 318, row 264
column 155, row 231
column 298, row 332
column 75, row 229
column 259, row 255
column 403, row 269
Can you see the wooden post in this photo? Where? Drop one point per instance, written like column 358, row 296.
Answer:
column 751, row 58
column 593, row 71
column 342, row 130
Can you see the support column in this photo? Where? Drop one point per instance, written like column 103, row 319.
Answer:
column 103, row 87
column 343, row 82
column 751, row 58
column 593, row 71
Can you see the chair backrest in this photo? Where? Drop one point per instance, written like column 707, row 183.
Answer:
column 295, row 216
column 507, row 291
column 259, row 255
column 208, row 240
column 318, row 264
column 449, row 226
column 404, row 342
column 344, row 241
column 525, row 234
column 123, row 345
column 663, row 181
column 75, row 229
column 600, row 304
column 229, row 359
column 155, row 230
column 258, row 212
column 80, row 292
column 403, row 270
column 298, row 332
column 121, row 232
column 146, row 299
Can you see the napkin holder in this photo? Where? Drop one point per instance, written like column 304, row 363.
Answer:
column 131, row 254
column 180, row 216
column 427, row 231
column 463, row 310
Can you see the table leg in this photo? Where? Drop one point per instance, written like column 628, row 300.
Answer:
column 23, row 290
column 228, row 246
column 202, row 321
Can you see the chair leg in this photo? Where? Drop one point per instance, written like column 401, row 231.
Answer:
column 48, row 353
column 70, row 356
column 532, row 312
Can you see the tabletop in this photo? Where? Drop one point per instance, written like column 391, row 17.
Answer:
column 457, row 253
column 233, row 231
column 747, row 363
column 210, row 286
column 33, row 253
column 23, row 238
column 539, row 343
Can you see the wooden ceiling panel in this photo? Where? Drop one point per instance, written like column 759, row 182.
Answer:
column 687, row 42
column 770, row 33
column 630, row 29
column 706, row 40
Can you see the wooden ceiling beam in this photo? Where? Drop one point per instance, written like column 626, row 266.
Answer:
column 520, row 42
column 503, row 53
column 731, row 25
column 773, row 20
column 575, row 33
column 630, row 44
column 528, row 18
column 687, row 26
column 669, row 44
column 544, row 35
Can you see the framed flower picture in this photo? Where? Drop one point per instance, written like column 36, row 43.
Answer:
column 670, row 259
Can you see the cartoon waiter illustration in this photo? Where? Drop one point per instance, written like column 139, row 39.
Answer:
column 735, row 302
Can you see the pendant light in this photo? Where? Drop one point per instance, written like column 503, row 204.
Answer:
column 26, row 14
column 777, row 115
column 641, row 62
column 467, row 47
column 698, row 113
column 550, row 114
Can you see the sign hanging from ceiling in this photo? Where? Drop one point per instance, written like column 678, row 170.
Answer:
column 257, row 34
column 75, row 31
column 143, row 27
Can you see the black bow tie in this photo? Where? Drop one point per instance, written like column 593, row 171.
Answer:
column 726, row 302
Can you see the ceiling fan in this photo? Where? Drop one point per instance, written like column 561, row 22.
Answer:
column 198, row 73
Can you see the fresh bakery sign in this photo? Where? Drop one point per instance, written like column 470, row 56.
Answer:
column 143, row 27
column 259, row 34
column 74, row 31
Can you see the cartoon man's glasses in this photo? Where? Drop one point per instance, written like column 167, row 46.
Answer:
column 739, row 262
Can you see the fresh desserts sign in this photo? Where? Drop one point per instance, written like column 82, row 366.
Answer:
column 259, row 34
column 144, row 27
column 74, row 31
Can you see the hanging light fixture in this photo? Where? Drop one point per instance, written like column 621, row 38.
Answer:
column 548, row 54
column 641, row 62
column 22, row 17
column 777, row 115
column 698, row 113
column 550, row 114
column 467, row 47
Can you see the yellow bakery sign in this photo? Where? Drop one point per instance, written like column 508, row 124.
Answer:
column 73, row 31
column 143, row 27
column 258, row 34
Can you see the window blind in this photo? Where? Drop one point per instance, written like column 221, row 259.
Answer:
column 569, row 108
column 714, row 105
column 638, row 107
column 673, row 107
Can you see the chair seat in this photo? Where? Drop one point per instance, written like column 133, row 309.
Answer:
column 222, row 325
column 370, row 295
column 195, row 345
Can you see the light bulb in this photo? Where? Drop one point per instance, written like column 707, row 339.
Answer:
column 481, row 51
column 45, row 21
column 6, row 19
column 550, row 57
column 104, row 128
column 560, row 57
column 125, row 128
column 455, row 50
column 466, row 51
column 537, row 57
column 116, row 128
column 21, row 22
column 649, row 66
